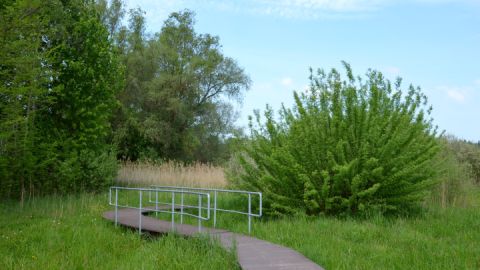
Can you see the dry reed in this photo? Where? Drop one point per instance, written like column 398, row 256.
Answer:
column 171, row 173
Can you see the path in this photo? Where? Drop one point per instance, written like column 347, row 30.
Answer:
column 252, row 253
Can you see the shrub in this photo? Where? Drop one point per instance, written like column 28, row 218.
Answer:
column 87, row 171
column 457, row 175
column 347, row 147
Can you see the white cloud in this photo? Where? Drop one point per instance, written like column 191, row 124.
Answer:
column 456, row 94
column 392, row 71
column 331, row 5
column 157, row 10
column 307, row 9
column 477, row 83
column 286, row 81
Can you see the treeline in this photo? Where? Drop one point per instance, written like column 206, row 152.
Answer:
column 458, row 166
column 80, row 90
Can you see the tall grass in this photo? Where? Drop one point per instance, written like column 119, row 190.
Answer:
column 70, row 233
column 171, row 173
column 440, row 238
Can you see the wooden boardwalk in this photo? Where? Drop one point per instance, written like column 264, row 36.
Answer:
column 252, row 253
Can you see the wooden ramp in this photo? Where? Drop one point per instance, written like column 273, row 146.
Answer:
column 252, row 253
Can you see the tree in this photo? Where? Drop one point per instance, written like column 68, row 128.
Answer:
column 21, row 74
column 59, row 80
column 178, row 84
column 347, row 147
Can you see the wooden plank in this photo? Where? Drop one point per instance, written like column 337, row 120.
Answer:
column 252, row 253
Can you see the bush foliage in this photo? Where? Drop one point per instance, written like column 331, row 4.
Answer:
column 349, row 146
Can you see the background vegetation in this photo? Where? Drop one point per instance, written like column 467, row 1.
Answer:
column 82, row 92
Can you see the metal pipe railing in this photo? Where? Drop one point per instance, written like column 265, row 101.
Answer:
column 157, row 210
column 215, row 206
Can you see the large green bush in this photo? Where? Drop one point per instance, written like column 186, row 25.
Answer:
column 349, row 146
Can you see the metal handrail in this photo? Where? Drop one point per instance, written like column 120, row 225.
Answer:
column 200, row 195
column 215, row 208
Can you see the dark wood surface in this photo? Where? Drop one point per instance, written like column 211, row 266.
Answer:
column 252, row 253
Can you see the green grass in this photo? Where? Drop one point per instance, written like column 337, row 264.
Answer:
column 443, row 240
column 438, row 239
column 69, row 233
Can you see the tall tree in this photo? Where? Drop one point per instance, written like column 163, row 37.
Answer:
column 22, row 73
column 178, row 87
column 59, row 79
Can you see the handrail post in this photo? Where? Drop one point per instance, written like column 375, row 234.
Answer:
column 260, row 198
column 215, row 209
column 249, row 213
column 173, row 211
column 116, row 207
column 181, row 209
column 156, row 203
column 199, row 213
column 140, row 215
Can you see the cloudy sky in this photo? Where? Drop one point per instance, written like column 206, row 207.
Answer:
column 434, row 44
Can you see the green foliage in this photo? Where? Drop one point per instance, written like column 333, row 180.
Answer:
column 457, row 164
column 175, row 101
column 467, row 153
column 347, row 147
column 88, row 170
column 59, row 78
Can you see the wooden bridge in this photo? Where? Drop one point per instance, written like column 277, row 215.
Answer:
column 252, row 253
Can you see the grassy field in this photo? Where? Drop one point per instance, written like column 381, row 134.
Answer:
column 443, row 240
column 69, row 233
column 440, row 238
column 171, row 173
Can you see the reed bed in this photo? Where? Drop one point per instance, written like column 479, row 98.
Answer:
column 171, row 173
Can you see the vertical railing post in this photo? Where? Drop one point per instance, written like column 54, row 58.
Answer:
column 116, row 207
column 156, row 203
column 260, row 199
column 140, row 214
column 199, row 212
column 215, row 209
column 249, row 213
column 173, row 210
column 181, row 209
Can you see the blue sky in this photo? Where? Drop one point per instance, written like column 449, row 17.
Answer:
column 432, row 44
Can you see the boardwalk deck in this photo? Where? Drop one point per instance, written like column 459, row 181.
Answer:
column 252, row 253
